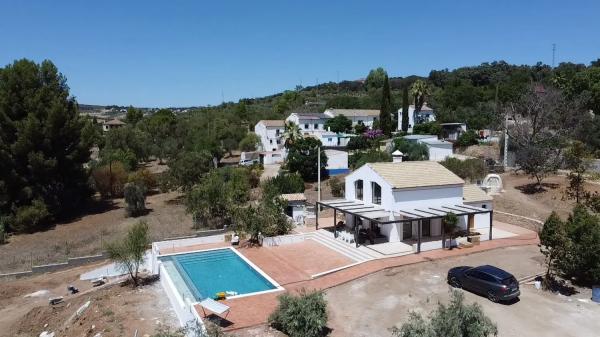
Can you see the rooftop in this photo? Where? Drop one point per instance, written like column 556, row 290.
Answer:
column 115, row 122
column 293, row 197
column 472, row 193
column 311, row 115
column 272, row 122
column 415, row 174
column 416, row 137
column 353, row 112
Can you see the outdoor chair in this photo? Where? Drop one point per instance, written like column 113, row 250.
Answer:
column 215, row 307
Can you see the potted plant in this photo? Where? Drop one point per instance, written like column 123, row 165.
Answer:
column 449, row 222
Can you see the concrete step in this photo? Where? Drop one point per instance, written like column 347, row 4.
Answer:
column 348, row 249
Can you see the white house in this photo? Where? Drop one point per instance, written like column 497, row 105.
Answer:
column 112, row 124
column 405, row 202
column 438, row 150
column 310, row 124
column 357, row 116
column 332, row 139
column 271, row 147
column 337, row 162
column 426, row 114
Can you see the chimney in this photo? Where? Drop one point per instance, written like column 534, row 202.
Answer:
column 397, row 156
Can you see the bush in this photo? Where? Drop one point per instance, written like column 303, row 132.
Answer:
column 412, row 151
column 249, row 142
column 429, row 128
column 304, row 315
column 125, row 157
column 109, row 180
column 467, row 139
column 454, row 320
column 135, row 197
column 32, row 217
column 359, row 129
column 337, row 186
column 143, row 178
column 284, row 183
column 358, row 143
column 469, row 169
column 358, row 159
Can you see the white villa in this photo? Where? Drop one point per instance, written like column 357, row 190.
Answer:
column 310, row 124
column 438, row 149
column 405, row 202
column 426, row 114
column 271, row 147
column 357, row 116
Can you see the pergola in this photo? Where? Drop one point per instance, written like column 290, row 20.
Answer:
column 380, row 216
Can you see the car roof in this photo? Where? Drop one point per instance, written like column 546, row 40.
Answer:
column 494, row 271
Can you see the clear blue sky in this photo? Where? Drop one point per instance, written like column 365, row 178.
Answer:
column 181, row 53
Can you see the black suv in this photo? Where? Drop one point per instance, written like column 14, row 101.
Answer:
column 495, row 283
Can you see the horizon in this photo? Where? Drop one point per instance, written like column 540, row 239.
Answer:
column 191, row 54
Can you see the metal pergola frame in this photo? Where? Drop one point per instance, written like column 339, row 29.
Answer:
column 358, row 209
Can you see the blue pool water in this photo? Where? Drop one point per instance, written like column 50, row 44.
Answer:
column 209, row 272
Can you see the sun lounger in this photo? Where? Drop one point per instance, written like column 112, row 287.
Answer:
column 215, row 307
column 55, row 300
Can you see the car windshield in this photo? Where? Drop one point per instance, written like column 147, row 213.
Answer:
column 508, row 281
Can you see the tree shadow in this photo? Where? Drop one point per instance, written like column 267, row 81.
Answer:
column 556, row 285
column 91, row 207
column 534, row 188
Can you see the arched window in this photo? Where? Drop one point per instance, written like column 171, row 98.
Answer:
column 376, row 190
column 358, row 189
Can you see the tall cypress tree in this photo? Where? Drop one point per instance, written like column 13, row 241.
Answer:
column 405, row 108
column 41, row 149
column 385, row 114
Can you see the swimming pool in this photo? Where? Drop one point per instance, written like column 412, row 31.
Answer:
column 203, row 274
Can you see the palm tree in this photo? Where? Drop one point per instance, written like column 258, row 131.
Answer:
column 291, row 133
column 419, row 90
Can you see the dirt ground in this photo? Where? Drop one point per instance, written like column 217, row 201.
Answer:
column 516, row 199
column 372, row 305
column 87, row 234
column 114, row 310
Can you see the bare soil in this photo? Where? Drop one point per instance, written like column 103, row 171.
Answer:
column 520, row 198
column 115, row 310
column 103, row 222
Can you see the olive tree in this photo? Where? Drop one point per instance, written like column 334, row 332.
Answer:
column 128, row 252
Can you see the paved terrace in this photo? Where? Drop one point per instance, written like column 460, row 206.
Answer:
column 293, row 264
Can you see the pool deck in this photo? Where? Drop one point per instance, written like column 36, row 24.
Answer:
column 292, row 266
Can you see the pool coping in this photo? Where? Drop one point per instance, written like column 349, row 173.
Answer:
column 278, row 287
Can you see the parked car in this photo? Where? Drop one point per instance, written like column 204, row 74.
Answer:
column 493, row 282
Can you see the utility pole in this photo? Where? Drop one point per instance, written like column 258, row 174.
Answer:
column 318, row 175
column 505, row 159
column 553, row 53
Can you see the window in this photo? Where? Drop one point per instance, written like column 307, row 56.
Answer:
column 270, row 141
column 376, row 190
column 358, row 189
column 277, row 132
column 316, row 126
column 329, row 139
column 360, row 122
column 306, row 126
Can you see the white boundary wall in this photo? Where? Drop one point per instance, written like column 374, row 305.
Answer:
column 183, row 309
column 283, row 240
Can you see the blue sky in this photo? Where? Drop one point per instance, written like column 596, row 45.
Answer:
column 182, row 53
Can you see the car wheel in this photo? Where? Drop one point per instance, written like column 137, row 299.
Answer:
column 455, row 282
column 492, row 297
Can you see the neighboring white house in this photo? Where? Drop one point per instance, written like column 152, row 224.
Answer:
column 310, row 124
column 296, row 206
column 426, row 114
column 112, row 124
column 438, row 150
column 357, row 116
column 271, row 147
column 393, row 199
column 451, row 131
column 270, row 133
column 334, row 139
column 337, row 162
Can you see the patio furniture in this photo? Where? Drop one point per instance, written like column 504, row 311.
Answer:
column 215, row 307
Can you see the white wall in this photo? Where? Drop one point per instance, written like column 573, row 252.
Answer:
column 269, row 138
column 438, row 153
column 336, row 159
column 307, row 126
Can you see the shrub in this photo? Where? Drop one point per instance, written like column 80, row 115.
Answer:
column 337, row 186
column 304, row 315
column 284, row 183
column 469, row 169
column 455, row 320
column 468, row 138
column 143, row 178
column 109, row 180
column 135, row 198
column 249, row 142
column 429, row 128
column 358, row 159
column 412, row 151
column 360, row 128
column 31, row 217
column 358, row 143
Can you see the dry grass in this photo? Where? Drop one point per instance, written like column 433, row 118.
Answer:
column 86, row 235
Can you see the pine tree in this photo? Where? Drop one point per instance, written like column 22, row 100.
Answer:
column 405, row 108
column 41, row 149
column 385, row 114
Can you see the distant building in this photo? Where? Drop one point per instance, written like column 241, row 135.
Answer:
column 310, row 124
column 337, row 162
column 332, row 139
column 357, row 116
column 271, row 145
column 112, row 124
column 425, row 115
column 438, row 150
column 451, row 131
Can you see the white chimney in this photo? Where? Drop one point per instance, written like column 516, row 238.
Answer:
column 397, row 156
